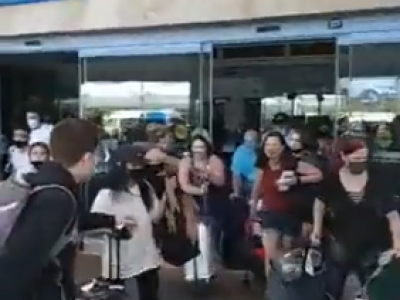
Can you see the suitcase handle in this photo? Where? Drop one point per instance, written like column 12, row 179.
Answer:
column 116, row 235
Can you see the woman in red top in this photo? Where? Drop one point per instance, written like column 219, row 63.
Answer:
column 278, row 172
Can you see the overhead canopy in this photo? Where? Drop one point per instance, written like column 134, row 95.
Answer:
column 145, row 50
column 375, row 37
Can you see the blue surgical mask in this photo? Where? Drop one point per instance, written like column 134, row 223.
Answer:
column 250, row 143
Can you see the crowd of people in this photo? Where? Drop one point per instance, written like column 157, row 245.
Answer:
column 297, row 185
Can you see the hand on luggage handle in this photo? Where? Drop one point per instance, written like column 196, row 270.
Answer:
column 127, row 222
column 315, row 238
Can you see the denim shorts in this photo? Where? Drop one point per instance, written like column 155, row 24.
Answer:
column 281, row 222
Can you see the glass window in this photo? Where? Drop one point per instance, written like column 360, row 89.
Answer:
column 369, row 78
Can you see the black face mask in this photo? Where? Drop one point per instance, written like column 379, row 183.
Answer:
column 20, row 144
column 37, row 164
column 154, row 170
column 136, row 174
column 357, row 167
column 297, row 151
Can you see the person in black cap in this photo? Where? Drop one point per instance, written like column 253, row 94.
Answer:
column 134, row 198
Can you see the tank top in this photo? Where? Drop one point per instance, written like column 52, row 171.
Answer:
column 209, row 203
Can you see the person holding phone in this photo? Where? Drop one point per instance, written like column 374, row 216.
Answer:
column 279, row 172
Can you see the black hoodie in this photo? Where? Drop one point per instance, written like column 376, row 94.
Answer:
column 27, row 269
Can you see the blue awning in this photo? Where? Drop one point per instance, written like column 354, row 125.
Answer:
column 18, row 2
column 156, row 117
column 140, row 50
column 375, row 37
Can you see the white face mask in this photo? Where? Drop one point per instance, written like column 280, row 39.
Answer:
column 33, row 123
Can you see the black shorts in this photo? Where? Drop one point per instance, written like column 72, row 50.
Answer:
column 281, row 222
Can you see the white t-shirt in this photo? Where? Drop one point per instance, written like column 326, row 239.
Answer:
column 138, row 254
column 19, row 160
column 41, row 134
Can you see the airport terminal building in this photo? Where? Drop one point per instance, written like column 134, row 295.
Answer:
column 235, row 59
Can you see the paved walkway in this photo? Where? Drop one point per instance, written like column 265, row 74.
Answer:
column 228, row 285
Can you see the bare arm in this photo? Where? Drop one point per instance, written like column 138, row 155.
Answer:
column 236, row 173
column 190, row 209
column 183, row 178
column 171, row 161
column 158, row 206
column 308, row 173
column 236, row 184
column 318, row 215
column 394, row 223
column 256, row 191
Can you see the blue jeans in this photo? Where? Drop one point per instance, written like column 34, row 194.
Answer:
column 281, row 222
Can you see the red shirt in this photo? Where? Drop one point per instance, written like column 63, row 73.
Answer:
column 273, row 199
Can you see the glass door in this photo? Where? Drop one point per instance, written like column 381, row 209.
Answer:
column 369, row 83
column 202, row 115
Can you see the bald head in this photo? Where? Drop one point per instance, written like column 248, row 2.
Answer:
column 251, row 134
column 251, row 138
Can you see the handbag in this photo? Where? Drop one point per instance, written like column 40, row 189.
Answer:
column 383, row 284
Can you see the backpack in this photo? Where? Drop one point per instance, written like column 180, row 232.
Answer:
column 14, row 197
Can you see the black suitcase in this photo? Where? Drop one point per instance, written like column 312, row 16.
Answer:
column 111, row 288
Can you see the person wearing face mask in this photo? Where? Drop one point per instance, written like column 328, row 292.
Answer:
column 134, row 198
column 242, row 167
column 38, row 154
column 19, row 152
column 383, row 137
column 304, row 147
column 39, row 132
column 363, row 211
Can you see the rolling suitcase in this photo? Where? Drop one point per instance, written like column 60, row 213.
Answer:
column 200, row 271
column 111, row 288
column 201, row 267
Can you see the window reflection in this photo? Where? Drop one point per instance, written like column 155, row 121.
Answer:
column 122, row 104
column 369, row 77
column 301, row 105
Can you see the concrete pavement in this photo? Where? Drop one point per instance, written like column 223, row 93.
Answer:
column 228, row 285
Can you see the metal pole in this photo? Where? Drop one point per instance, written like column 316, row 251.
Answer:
column 211, row 94
column 200, row 116
column 338, row 89
column 82, row 78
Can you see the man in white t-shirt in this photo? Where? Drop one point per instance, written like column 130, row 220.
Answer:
column 40, row 132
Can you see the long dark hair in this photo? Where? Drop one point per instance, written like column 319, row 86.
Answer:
column 287, row 160
column 308, row 140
